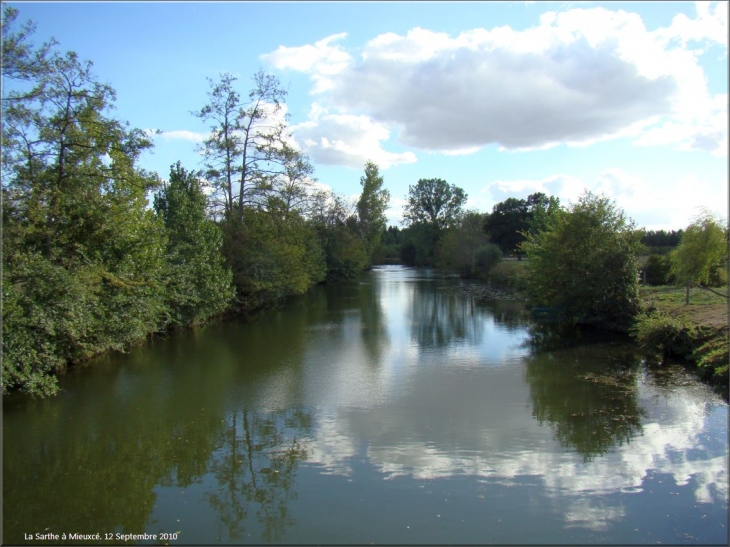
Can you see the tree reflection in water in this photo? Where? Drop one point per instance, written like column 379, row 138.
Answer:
column 588, row 395
column 254, row 464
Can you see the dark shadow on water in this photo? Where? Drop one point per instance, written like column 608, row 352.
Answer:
column 584, row 386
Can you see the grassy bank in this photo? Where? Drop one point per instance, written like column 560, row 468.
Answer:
column 696, row 334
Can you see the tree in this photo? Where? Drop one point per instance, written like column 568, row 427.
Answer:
column 198, row 285
column 333, row 219
column 83, row 256
column 584, row 263
column 434, row 202
column 466, row 248
column 702, row 253
column 245, row 149
column 291, row 190
column 371, row 208
column 511, row 218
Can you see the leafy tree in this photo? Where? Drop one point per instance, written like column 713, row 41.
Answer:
column 584, row 264
column 702, row 253
column 434, row 202
column 271, row 257
column 20, row 61
column 245, row 148
column 292, row 188
column 371, row 208
column 511, row 218
column 466, row 248
column 198, row 286
column 334, row 222
column 83, row 256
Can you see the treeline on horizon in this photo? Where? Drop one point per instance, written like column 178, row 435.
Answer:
column 89, row 266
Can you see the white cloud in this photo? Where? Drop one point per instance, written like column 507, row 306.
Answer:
column 343, row 139
column 577, row 77
column 183, row 134
column 565, row 187
column 321, row 60
column 658, row 204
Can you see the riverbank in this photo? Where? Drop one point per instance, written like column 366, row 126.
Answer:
column 696, row 334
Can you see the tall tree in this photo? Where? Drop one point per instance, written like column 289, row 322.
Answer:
column 244, row 150
column 434, row 202
column 371, row 207
column 512, row 218
column 198, row 284
column 82, row 254
column 222, row 149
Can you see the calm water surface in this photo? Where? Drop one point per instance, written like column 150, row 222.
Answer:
column 393, row 409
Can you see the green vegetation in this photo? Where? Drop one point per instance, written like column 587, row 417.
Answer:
column 371, row 209
column 584, row 264
column 89, row 267
column 511, row 219
column 702, row 255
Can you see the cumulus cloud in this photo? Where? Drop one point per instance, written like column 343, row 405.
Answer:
column 346, row 139
column 577, row 77
column 660, row 204
column 563, row 186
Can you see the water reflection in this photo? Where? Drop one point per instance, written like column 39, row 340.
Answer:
column 254, row 464
column 395, row 389
column 588, row 394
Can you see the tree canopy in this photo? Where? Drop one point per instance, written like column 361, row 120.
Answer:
column 702, row 254
column 371, row 207
column 584, row 264
column 434, row 202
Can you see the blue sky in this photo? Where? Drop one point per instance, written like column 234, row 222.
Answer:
column 500, row 98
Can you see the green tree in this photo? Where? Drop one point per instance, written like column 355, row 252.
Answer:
column 466, row 248
column 334, row 222
column 83, row 256
column 511, row 218
column 371, row 208
column 198, row 286
column 584, row 263
column 702, row 253
column 434, row 202
column 245, row 148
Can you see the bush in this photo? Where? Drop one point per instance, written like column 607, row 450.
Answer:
column 657, row 270
column 664, row 334
column 584, row 263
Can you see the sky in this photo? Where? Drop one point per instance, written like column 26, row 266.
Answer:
column 503, row 99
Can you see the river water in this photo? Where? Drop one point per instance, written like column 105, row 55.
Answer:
column 392, row 409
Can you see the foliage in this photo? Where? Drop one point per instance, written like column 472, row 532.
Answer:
column 419, row 246
column 510, row 273
column 198, row 285
column 661, row 238
column 669, row 336
column 271, row 257
column 512, row 218
column 246, row 147
column 336, row 228
column 83, row 257
column 657, row 270
column 434, row 202
column 466, row 248
column 371, row 208
column 584, row 263
column 702, row 254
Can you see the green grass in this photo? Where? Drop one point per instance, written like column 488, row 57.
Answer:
column 670, row 295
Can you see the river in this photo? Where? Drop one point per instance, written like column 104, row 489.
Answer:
column 391, row 409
